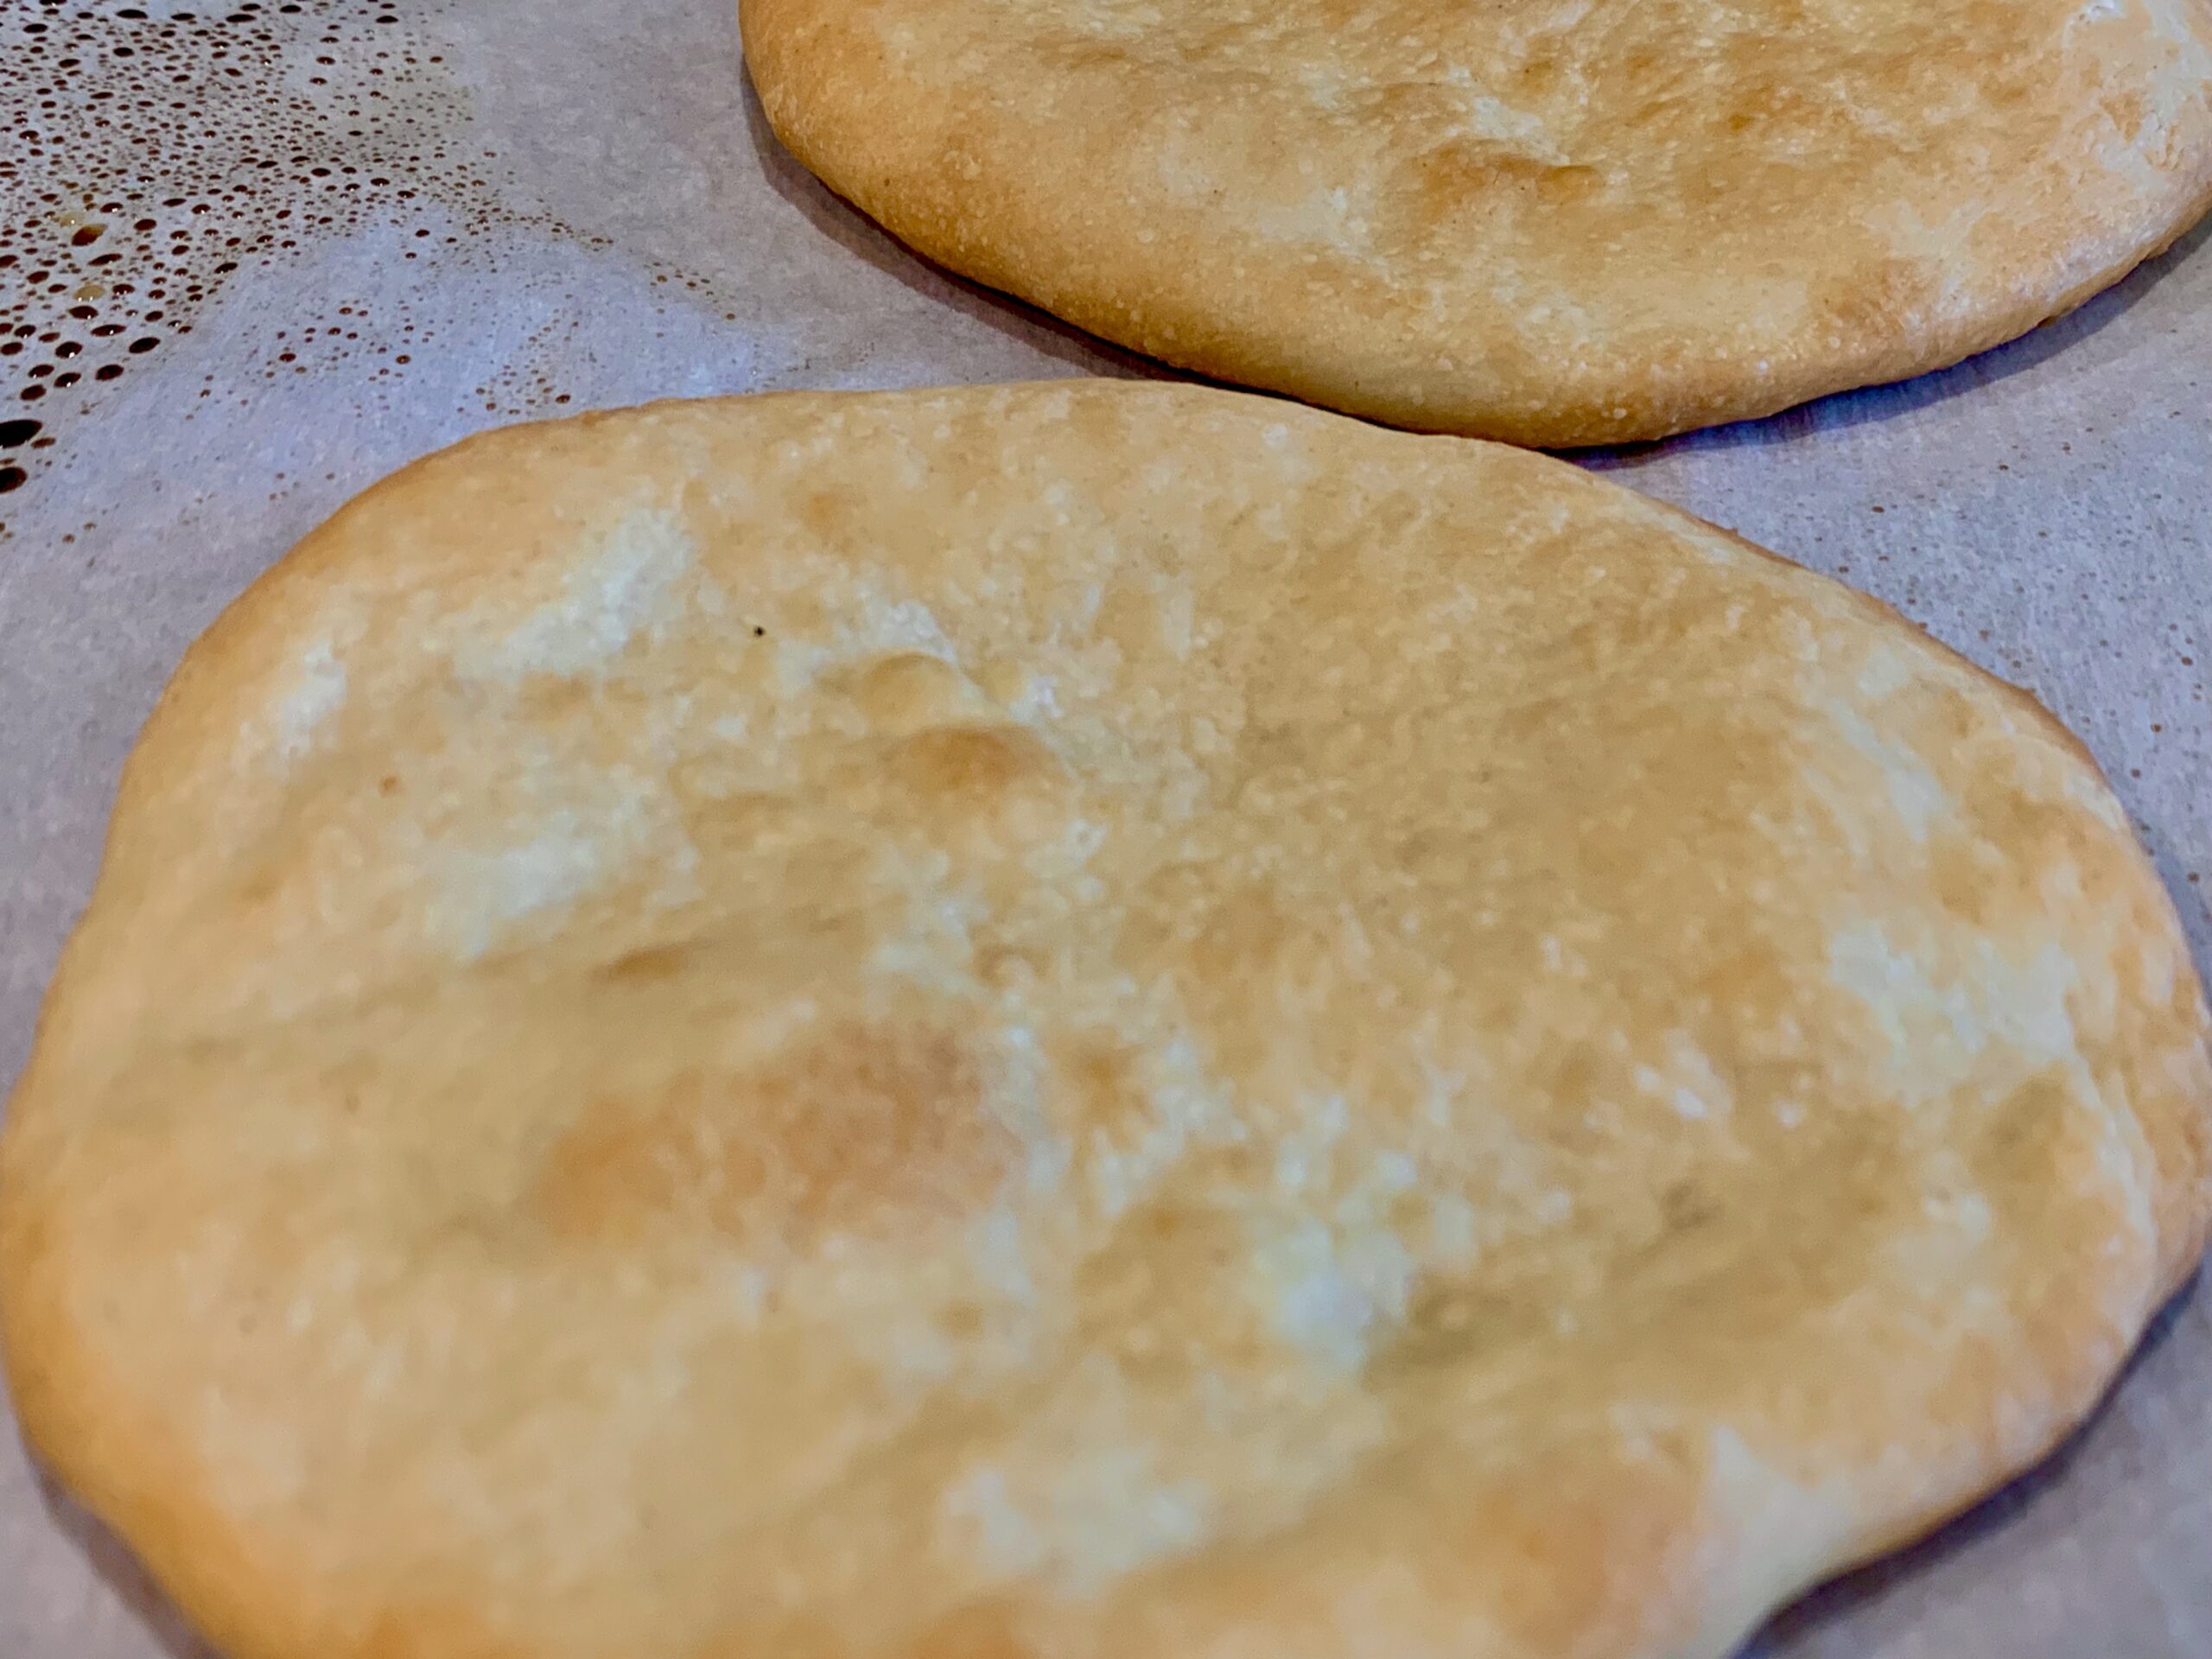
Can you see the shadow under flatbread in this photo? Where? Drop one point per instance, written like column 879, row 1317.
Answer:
column 862, row 237
column 122, row 1572
column 1990, row 1516
column 1862, row 404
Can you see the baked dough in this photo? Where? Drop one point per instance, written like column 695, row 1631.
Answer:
column 1083, row 1021
column 1557, row 222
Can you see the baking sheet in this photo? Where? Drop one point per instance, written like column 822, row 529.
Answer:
column 557, row 206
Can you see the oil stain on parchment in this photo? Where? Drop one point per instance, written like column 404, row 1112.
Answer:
column 156, row 155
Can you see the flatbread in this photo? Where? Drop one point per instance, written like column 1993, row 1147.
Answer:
column 1083, row 1021
column 1558, row 222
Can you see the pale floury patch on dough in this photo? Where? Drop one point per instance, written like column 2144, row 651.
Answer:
column 1452, row 1237
column 1001, row 1264
column 1022, row 1104
column 319, row 693
column 1941, row 1026
column 1482, row 115
column 561, row 859
column 585, row 830
column 1684, row 1078
column 939, row 915
column 626, row 583
column 1333, row 1292
column 1335, row 1282
column 1882, row 672
column 1102, row 1509
column 288, row 728
column 1915, row 794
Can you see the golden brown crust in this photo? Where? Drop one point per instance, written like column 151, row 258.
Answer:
column 1075, row 1022
column 1540, row 222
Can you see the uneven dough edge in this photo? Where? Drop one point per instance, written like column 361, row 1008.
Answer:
column 131, row 1477
column 888, row 148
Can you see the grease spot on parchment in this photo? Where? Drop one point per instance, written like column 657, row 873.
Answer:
column 159, row 155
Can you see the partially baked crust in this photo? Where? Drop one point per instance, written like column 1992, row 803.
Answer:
column 1549, row 221
column 1083, row 1021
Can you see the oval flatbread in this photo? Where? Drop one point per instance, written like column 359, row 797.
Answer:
column 1558, row 222
column 1075, row 1022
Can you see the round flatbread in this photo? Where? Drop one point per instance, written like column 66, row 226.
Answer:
column 1551, row 221
column 1075, row 1022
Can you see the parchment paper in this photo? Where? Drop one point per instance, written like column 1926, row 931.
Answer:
column 597, row 215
